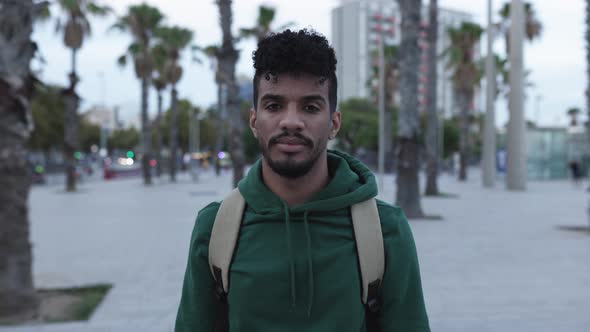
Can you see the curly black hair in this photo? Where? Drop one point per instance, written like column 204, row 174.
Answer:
column 303, row 51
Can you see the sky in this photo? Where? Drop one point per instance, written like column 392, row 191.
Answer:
column 556, row 61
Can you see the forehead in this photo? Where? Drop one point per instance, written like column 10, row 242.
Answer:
column 292, row 85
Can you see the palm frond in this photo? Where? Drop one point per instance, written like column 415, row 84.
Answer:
column 122, row 60
column 69, row 5
column 266, row 15
column 98, row 10
column 120, row 26
column 42, row 12
column 248, row 32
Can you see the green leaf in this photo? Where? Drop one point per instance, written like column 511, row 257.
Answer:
column 98, row 10
column 266, row 15
column 42, row 12
column 69, row 5
column 122, row 60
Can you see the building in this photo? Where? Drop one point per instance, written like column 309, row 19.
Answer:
column 104, row 117
column 356, row 28
column 549, row 151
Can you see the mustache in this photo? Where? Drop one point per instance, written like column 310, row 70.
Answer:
column 306, row 141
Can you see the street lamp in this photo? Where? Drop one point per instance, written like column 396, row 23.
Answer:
column 195, row 142
column 379, row 28
column 381, row 112
column 489, row 139
column 516, row 157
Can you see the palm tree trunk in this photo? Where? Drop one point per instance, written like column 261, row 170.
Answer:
column 432, row 153
column 18, row 299
column 408, row 192
column 145, row 132
column 227, row 61
column 220, row 130
column 237, row 136
column 17, row 295
column 71, row 138
column 159, row 136
column 173, row 133
column 587, row 36
column 71, row 124
column 463, row 97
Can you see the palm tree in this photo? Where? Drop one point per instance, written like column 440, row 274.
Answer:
column 262, row 29
column 408, row 190
column 391, row 61
column 466, row 76
column 141, row 21
column 174, row 40
column 18, row 299
column 573, row 113
column 227, row 58
column 159, row 82
column 587, row 37
column 533, row 26
column 75, row 27
column 432, row 121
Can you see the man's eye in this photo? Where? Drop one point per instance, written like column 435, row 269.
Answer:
column 273, row 107
column 311, row 108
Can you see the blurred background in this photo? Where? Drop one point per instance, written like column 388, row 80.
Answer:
column 120, row 120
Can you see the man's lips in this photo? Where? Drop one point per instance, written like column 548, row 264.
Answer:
column 290, row 144
column 291, row 141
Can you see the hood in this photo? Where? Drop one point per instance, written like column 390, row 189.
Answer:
column 351, row 182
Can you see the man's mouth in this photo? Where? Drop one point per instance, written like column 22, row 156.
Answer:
column 290, row 144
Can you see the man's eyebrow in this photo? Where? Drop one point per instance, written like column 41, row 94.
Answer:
column 272, row 97
column 319, row 98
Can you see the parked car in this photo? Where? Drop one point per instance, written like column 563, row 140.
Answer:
column 120, row 167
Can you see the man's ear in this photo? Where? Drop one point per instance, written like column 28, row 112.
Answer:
column 252, row 122
column 336, row 123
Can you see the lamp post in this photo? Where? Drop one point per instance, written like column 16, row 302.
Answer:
column 489, row 139
column 379, row 28
column 516, row 157
column 381, row 113
column 195, row 142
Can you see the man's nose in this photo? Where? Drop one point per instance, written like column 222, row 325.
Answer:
column 292, row 120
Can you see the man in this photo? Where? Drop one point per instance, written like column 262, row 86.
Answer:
column 295, row 265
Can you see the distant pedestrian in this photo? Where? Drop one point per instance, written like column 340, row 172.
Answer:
column 576, row 173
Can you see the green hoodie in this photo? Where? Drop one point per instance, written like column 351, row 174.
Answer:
column 296, row 268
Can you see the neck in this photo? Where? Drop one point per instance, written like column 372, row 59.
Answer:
column 297, row 191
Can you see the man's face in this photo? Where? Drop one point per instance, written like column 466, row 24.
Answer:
column 292, row 122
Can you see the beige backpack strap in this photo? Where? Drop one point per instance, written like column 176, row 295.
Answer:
column 370, row 250
column 224, row 236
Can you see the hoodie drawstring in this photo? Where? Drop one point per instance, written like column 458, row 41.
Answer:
column 311, row 284
column 309, row 265
column 290, row 253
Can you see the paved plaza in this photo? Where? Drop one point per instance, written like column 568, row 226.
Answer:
column 496, row 262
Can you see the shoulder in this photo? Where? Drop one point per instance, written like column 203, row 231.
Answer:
column 204, row 222
column 393, row 221
column 390, row 215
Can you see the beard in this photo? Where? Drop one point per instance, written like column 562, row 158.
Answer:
column 289, row 167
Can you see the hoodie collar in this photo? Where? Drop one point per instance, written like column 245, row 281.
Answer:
column 351, row 182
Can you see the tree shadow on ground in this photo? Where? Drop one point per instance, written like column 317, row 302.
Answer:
column 443, row 195
column 582, row 229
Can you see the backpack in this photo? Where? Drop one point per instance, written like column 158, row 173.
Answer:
column 369, row 243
